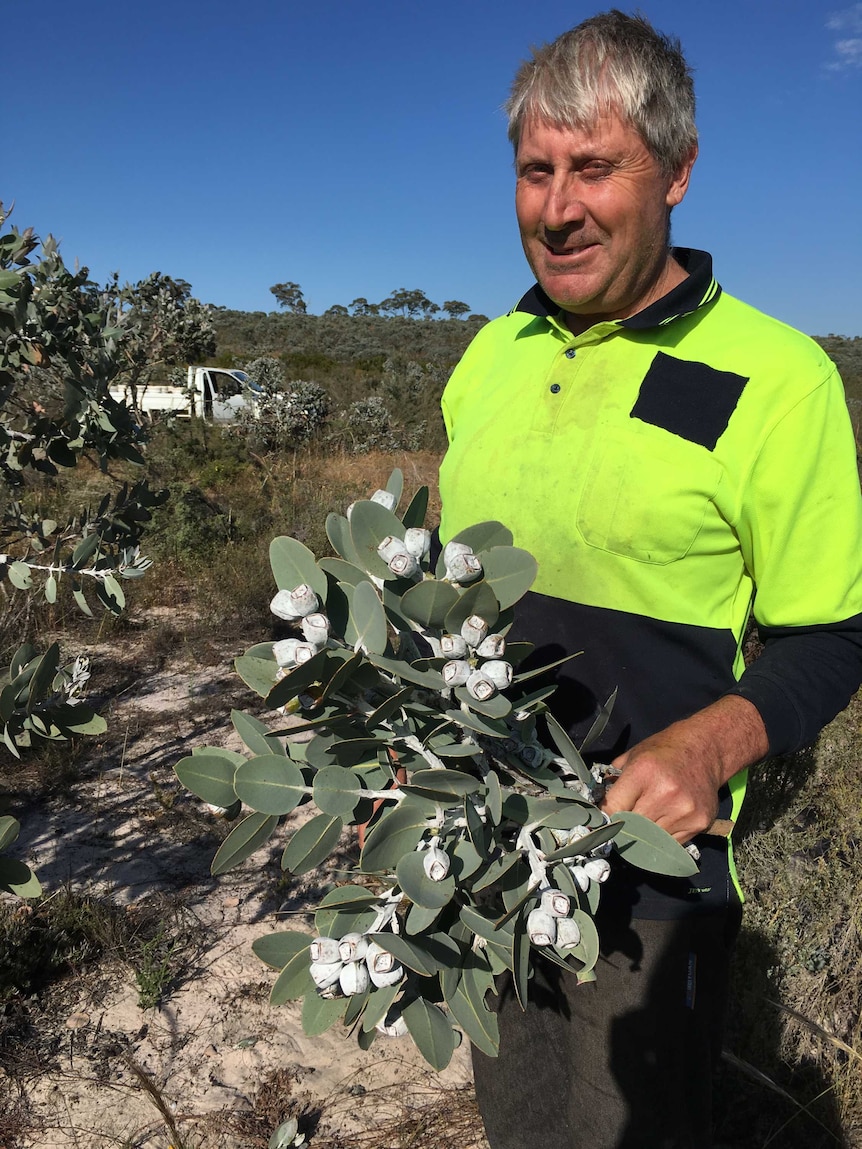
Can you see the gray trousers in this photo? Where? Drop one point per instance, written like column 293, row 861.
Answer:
column 625, row 1062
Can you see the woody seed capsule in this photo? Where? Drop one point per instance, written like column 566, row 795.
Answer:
column 452, row 549
column 323, row 950
column 555, row 903
column 304, row 600
column 354, row 978
column 283, row 606
column 403, row 565
column 456, row 672
column 474, row 629
column 284, row 652
column 325, row 974
column 541, row 927
column 492, row 647
column 417, row 542
column 385, row 498
column 390, row 547
column 581, row 877
column 352, row 947
column 453, row 646
column 315, row 627
column 463, row 568
column 568, row 933
column 436, row 863
column 499, row 672
column 480, row 687
column 304, row 652
column 598, row 869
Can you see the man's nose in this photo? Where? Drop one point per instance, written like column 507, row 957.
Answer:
column 563, row 206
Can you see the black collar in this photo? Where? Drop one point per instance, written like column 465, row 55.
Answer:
column 696, row 290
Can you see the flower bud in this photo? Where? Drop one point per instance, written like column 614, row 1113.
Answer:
column 473, row 630
column 568, row 933
column 354, row 978
column 352, row 947
column 316, row 628
column 325, row 974
column 323, row 950
column 453, row 646
column 284, row 652
column 556, row 903
column 499, row 672
column 304, row 652
column 385, row 498
column 492, row 647
column 581, row 877
column 456, row 672
column 463, row 569
column 403, row 565
column 480, row 687
column 436, row 863
column 417, row 542
column 541, row 927
column 597, row 869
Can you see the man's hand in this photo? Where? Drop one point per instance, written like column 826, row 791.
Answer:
column 674, row 776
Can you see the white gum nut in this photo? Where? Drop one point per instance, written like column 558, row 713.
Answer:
column 456, row 672
column 581, row 877
column 324, row 950
column 463, row 569
column 598, row 869
column 282, row 606
column 284, row 652
column 555, row 903
column 568, row 933
column 304, row 600
column 393, row 1025
column 385, row 499
column 453, row 646
column 391, row 977
column 492, row 647
column 305, row 651
column 452, row 549
column 602, row 851
column 352, row 947
column 541, row 927
column 436, row 864
column 499, row 672
column 480, row 687
column 417, row 542
column 474, row 630
column 403, row 565
column 315, row 628
column 578, row 832
column 390, row 547
column 354, row 978
column 325, row 974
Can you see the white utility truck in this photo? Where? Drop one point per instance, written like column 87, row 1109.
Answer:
column 214, row 393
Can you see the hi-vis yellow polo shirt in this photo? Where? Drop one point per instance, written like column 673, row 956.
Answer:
column 670, row 472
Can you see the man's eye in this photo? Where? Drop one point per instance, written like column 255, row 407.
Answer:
column 535, row 171
column 596, row 170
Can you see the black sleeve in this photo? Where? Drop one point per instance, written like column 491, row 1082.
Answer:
column 804, row 676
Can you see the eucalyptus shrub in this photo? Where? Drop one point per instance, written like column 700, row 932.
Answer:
column 484, row 843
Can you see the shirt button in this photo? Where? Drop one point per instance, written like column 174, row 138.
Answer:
column 555, row 388
column 570, row 353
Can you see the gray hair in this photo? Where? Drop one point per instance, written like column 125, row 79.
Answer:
column 611, row 62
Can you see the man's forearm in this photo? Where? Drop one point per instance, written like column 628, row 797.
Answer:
column 673, row 777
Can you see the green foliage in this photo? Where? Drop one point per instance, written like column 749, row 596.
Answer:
column 289, row 295
column 483, row 847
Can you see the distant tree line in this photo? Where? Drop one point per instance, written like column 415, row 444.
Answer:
column 411, row 304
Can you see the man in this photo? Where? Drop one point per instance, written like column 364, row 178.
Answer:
column 668, row 454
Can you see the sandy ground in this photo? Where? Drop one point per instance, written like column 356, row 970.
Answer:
column 133, row 835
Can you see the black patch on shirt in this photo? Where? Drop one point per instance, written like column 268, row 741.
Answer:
column 688, row 399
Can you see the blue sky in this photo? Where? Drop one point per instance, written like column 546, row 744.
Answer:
column 359, row 147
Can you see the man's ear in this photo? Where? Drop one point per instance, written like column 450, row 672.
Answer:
column 679, row 180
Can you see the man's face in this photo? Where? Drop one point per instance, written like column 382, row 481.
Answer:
column 592, row 206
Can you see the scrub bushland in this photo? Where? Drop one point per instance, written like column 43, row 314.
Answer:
column 794, row 1030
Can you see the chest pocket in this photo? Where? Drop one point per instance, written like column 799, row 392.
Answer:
column 646, row 495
